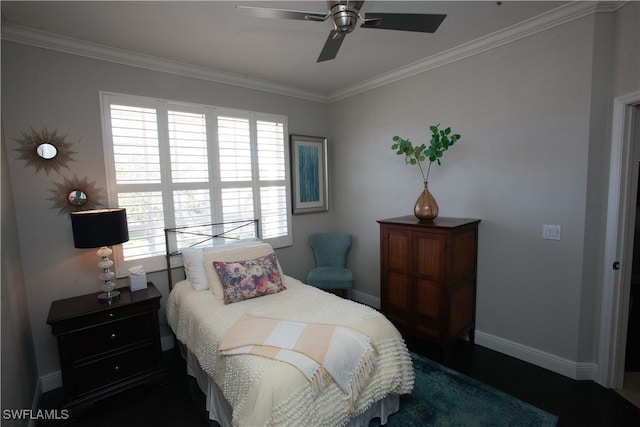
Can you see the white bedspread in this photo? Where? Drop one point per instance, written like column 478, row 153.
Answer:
column 268, row 392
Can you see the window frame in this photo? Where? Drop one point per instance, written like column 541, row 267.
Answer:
column 215, row 185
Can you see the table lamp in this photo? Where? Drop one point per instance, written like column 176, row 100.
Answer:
column 100, row 228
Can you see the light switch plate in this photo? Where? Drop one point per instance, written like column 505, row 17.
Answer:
column 551, row 232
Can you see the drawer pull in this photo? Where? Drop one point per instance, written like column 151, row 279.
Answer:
column 114, row 336
column 111, row 315
column 116, row 369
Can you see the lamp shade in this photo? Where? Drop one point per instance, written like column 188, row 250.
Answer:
column 99, row 227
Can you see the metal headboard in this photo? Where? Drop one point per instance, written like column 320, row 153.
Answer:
column 198, row 235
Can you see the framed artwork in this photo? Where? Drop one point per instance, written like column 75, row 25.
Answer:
column 309, row 174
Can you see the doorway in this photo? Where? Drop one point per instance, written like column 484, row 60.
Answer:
column 631, row 381
column 632, row 356
column 619, row 240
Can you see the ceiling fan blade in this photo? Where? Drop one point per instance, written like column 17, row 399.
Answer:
column 357, row 5
column 331, row 46
column 423, row 23
column 263, row 12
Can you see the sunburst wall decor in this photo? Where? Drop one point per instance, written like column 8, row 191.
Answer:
column 75, row 194
column 45, row 150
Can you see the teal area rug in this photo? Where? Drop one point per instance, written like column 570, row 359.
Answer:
column 444, row 397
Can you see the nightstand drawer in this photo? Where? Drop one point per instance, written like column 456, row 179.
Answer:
column 110, row 336
column 104, row 314
column 109, row 371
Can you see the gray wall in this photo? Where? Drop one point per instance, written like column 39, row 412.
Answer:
column 626, row 52
column 19, row 371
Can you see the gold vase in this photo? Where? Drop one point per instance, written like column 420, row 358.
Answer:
column 426, row 207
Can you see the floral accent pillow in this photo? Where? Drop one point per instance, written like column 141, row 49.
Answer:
column 248, row 279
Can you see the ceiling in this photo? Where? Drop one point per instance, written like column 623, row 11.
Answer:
column 215, row 35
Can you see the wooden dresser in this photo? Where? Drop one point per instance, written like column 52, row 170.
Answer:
column 428, row 277
column 107, row 347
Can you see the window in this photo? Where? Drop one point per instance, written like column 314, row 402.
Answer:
column 173, row 164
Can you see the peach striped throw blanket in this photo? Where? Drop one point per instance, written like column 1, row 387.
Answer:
column 319, row 351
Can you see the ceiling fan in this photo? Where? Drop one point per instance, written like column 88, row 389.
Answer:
column 345, row 15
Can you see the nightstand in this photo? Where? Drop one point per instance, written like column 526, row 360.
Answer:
column 107, row 347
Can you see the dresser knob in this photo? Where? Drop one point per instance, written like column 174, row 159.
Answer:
column 114, row 336
column 116, row 369
column 111, row 315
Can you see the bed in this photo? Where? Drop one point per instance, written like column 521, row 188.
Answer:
column 251, row 390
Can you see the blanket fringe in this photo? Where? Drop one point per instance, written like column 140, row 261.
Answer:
column 319, row 380
column 361, row 376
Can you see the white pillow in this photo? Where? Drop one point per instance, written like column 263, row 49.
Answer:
column 193, row 262
column 235, row 253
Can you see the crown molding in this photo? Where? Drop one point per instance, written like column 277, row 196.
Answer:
column 537, row 24
column 553, row 18
column 47, row 40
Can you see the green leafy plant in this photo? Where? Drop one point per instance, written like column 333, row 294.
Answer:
column 440, row 142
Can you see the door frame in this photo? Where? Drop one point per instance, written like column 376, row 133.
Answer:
column 616, row 283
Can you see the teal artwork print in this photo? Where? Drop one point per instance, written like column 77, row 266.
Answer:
column 309, row 173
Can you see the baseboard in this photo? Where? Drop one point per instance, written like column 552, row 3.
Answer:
column 559, row 365
column 365, row 299
column 51, row 381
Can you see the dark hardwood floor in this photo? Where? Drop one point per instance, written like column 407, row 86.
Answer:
column 180, row 403
column 576, row 403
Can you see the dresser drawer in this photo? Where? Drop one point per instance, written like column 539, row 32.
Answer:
column 108, row 371
column 109, row 336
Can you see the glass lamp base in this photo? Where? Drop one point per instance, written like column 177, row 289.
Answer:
column 108, row 296
column 108, row 287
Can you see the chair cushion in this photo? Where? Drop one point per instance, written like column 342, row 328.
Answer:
column 330, row 278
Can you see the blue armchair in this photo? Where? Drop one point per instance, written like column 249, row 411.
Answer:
column 331, row 272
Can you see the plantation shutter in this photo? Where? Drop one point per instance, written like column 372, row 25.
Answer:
column 136, row 154
column 175, row 164
column 272, row 174
column 189, row 160
column 236, row 171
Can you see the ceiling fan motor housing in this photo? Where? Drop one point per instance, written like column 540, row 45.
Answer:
column 344, row 19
